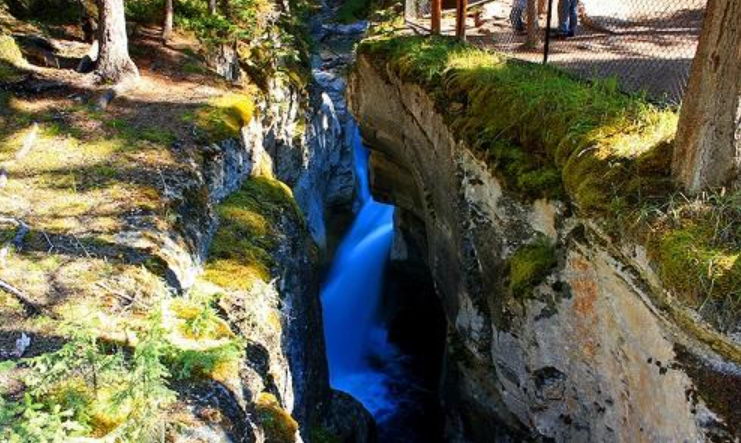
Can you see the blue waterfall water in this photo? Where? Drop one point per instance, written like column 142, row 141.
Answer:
column 357, row 344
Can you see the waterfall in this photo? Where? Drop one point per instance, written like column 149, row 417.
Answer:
column 356, row 338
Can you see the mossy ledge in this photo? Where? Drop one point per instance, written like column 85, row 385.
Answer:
column 249, row 230
column 545, row 134
column 530, row 122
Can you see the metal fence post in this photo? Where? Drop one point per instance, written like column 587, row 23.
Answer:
column 547, row 45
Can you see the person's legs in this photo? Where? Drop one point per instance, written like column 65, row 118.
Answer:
column 515, row 15
column 572, row 16
column 563, row 16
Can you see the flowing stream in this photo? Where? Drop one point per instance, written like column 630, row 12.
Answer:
column 358, row 349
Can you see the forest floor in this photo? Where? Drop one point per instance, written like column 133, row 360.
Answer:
column 89, row 196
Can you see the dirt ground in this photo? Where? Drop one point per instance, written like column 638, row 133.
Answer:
column 88, row 175
column 647, row 44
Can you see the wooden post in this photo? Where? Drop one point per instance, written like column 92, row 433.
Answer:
column 460, row 19
column 437, row 12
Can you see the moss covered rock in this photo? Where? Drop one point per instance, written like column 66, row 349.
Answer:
column 277, row 423
column 529, row 265
column 11, row 59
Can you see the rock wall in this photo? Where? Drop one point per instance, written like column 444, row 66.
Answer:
column 301, row 141
column 588, row 356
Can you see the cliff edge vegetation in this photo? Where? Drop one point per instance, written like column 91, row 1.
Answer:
column 548, row 135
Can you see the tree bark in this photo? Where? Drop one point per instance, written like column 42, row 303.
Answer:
column 461, row 12
column 533, row 37
column 226, row 8
column 212, row 7
column 437, row 11
column 707, row 152
column 113, row 64
column 167, row 25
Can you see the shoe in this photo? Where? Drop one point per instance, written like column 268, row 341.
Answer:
column 558, row 34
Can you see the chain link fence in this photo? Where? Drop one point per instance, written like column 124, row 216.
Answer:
column 648, row 45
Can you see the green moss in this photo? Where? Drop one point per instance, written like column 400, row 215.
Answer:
column 278, row 424
column 223, row 117
column 157, row 135
column 529, row 265
column 250, row 221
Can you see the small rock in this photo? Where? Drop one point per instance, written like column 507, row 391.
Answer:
column 22, row 344
column 358, row 27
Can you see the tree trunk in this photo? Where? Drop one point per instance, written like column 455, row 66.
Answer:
column 114, row 63
column 707, row 151
column 212, row 7
column 533, row 37
column 461, row 12
column 437, row 12
column 167, row 25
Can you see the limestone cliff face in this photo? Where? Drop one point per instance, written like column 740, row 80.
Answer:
column 588, row 356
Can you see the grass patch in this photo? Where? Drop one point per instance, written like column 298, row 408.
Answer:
column 529, row 265
column 696, row 243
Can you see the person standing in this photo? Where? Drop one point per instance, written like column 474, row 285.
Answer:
column 515, row 15
column 567, row 17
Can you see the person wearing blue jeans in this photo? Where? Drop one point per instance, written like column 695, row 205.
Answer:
column 567, row 17
column 515, row 15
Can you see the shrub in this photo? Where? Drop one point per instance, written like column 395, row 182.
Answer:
column 89, row 388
